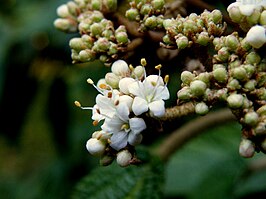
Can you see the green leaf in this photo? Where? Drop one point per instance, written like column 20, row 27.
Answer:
column 114, row 182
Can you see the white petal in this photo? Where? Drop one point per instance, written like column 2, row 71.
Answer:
column 137, row 89
column 247, row 10
column 154, row 79
column 124, row 84
column 126, row 99
column 162, row 92
column 139, row 106
column 134, row 139
column 105, row 105
column 157, row 108
column 123, row 112
column 112, row 125
column 137, row 125
column 119, row 140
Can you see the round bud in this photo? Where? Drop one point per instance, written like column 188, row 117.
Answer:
column 138, row 72
column 250, row 85
column 201, row 108
column 234, row 14
column 251, row 118
column 146, row 9
column 256, row 36
column 121, row 37
column 233, row 84
column 95, row 147
column 151, row 22
column 86, row 55
column 239, row 73
column 216, row 16
column 262, row 110
column 231, row 42
column 123, row 158
column 112, row 79
column 106, row 160
column 120, row 68
column 197, row 88
column 253, row 58
column 184, row 93
column 62, row 11
column 182, row 42
column 203, row 38
column 263, row 17
column 246, row 148
column 158, row 4
column 223, row 54
column 96, row 29
column 132, row 14
column 220, row 75
column 187, row 77
column 235, row 101
column 65, row 25
column 77, row 44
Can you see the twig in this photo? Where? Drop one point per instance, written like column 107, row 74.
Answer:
column 190, row 130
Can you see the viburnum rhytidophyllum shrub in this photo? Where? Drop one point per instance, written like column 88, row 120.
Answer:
column 232, row 69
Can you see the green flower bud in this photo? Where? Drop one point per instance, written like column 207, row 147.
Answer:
column 254, row 17
column 96, row 29
column 203, row 39
column 77, row 44
column 121, row 37
column 233, row 84
column 182, row 42
column 158, row 4
column 65, row 25
column 197, row 88
column 168, row 23
column 251, row 118
column 220, row 75
column 103, row 58
column 239, row 73
column 151, row 22
column 138, row 72
column 184, row 93
column 146, row 9
column 108, row 34
column 261, row 79
column 110, row 5
column 223, row 54
column 246, row 148
column 187, row 77
column 201, row 108
column 216, row 16
column 250, row 85
column 189, row 26
column 253, row 58
column 96, row 16
column 245, row 45
column 113, row 49
column 232, row 42
column 87, row 40
column 263, row 18
column 261, row 93
column 250, row 69
column 215, row 66
column 86, row 55
column 235, row 101
column 96, row 5
column 205, row 77
column 123, row 158
column 72, row 8
column 112, row 80
column 132, row 14
column 260, row 129
column 234, row 64
column 167, row 40
column 101, row 45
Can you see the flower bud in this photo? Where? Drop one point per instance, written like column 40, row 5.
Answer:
column 187, row 77
column 106, row 160
column 132, row 14
column 112, row 80
column 146, row 9
column 158, row 4
column 250, row 85
column 233, row 84
column 182, row 42
column 201, row 108
column 253, row 58
column 86, row 55
column 120, row 68
column 96, row 5
column 65, row 25
column 220, row 75
column 223, row 54
column 254, row 17
column 260, row 129
column 263, row 18
column 262, row 110
column 110, row 5
column 123, row 158
column 251, row 118
column 197, row 88
column 205, row 77
column 203, row 39
column 151, row 22
column 184, row 93
column 96, row 29
column 231, row 42
column 138, row 72
column 216, row 16
column 235, row 101
column 72, row 8
column 239, row 73
column 95, row 147
column 250, row 70
column 121, row 37
column 234, row 13
column 261, row 79
column 246, row 148
column 62, row 11
column 101, row 45
column 256, row 36
column 77, row 44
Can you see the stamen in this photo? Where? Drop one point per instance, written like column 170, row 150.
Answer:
column 158, row 67
column 131, row 67
column 77, row 103
column 116, row 102
column 143, row 62
column 95, row 122
column 89, row 80
column 166, row 79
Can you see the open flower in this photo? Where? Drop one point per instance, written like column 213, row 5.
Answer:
column 246, row 7
column 149, row 95
column 124, row 130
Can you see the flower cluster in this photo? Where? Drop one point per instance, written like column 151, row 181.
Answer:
column 126, row 97
column 201, row 29
column 99, row 38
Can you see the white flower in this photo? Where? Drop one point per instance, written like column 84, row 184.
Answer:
column 120, row 68
column 247, row 7
column 124, row 129
column 256, row 36
column 95, row 147
column 123, row 84
column 149, row 95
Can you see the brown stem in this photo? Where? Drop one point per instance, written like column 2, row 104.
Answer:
column 190, row 130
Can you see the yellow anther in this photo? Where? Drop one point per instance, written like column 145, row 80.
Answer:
column 131, row 67
column 158, row 67
column 89, row 80
column 95, row 123
column 143, row 62
column 77, row 103
column 103, row 86
column 166, row 79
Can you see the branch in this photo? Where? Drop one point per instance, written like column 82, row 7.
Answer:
column 190, row 130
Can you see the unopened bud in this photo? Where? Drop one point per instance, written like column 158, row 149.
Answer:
column 112, row 79
column 65, row 25
column 62, row 11
column 106, row 160
column 256, row 36
column 95, row 147
column 203, row 38
column 151, row 22
column 187, row 77
column 263, row 17
column 132, row 14
column 123, row 158
column 253, row 58
column 246, row 148
column 220, row 75
column 235, row 101
column 158, row 4
column 251, row 118
column 121, row 37
column 231, row 42
column 201, row 108
column 184, row 93
column 239, row 73
column 182, row 42
column 197, row 88
column 120, row 68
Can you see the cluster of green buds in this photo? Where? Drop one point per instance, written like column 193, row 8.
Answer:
column 200, row 29
column 238, row 78
column 148, row 13
column 99, row 38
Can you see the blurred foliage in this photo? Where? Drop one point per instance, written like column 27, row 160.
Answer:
column 43, row 135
